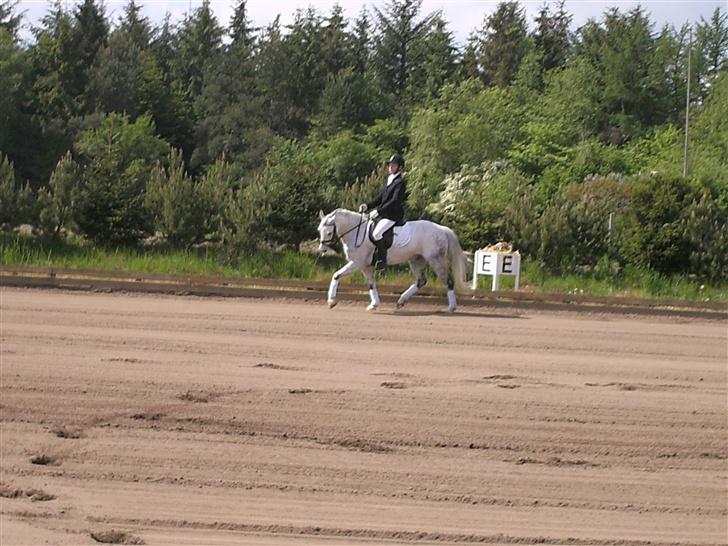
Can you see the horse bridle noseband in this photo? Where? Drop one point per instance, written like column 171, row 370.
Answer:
column 335, row 237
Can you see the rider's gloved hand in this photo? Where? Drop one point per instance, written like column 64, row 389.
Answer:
column 374, row 214
column 363, row 207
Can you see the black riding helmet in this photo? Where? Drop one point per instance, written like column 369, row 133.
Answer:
column 397, row 159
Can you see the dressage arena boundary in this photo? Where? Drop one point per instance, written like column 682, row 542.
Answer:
column 219, row 286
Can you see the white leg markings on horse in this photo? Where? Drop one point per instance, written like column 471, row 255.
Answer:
column 452, row 302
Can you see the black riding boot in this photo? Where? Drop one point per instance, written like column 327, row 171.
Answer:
column 381, row 257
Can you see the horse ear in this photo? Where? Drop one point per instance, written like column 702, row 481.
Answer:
column 321, row 215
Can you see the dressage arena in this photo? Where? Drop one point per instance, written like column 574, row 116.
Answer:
column 184, row 420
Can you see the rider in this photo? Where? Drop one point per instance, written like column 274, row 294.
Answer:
column 388, row 206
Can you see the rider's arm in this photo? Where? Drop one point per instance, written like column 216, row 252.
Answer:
column 376, row 201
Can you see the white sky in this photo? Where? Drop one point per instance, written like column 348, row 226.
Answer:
column 463, row 15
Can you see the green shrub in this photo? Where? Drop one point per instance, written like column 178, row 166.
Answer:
column 706, row 229
column 57, row 202
column 17, row 203
column 175, row 203
column 654, row 235
column 574, row 227
column 473, row 200
column 245, row 219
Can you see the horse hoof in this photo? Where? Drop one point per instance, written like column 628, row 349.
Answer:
column 332, row 303
column 372, row 307
column 400, row 305
column 451, row 310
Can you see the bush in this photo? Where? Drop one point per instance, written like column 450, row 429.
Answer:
column 473, row 200
column 706, row 229
column 291, row 193
column 58, row 201
column 17, row 204
column 175, row 203
column 654, row 235
column 245, row 220
column 574, row 227
column 215, row 188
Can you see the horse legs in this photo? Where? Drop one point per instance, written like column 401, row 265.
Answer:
column 417, row 266
column 347, row 269
column 373, row 292
column 439, row 264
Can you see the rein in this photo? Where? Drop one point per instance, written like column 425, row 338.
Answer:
column 335, row 236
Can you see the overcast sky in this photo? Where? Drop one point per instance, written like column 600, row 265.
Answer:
column 463, row 15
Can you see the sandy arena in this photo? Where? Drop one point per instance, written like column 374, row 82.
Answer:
column 185, row 420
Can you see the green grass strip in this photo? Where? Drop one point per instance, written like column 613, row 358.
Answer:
column 288, row 264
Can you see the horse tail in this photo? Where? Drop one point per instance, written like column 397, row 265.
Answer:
column 458, row 263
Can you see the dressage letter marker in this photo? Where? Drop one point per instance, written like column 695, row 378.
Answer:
column 496, row 264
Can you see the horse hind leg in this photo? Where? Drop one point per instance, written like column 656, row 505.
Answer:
column 439, row 265
column 417, row 265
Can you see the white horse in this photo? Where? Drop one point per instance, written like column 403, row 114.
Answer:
column 418, row 242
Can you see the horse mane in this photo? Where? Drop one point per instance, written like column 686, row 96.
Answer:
column 346, row 214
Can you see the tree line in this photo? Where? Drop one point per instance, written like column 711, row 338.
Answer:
column 532, row 131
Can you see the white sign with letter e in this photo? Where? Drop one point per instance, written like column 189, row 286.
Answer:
column 496, row 264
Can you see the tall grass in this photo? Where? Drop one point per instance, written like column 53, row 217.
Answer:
column 289, row 264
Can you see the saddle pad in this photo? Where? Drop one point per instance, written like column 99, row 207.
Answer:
column 402, row 235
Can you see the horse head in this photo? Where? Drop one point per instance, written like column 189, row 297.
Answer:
column 327, row 231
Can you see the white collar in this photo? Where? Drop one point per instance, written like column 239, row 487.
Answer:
column 391, row 177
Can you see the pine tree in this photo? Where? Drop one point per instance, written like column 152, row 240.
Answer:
column 242, row 33
column 117, row 158
column 55, row 66
column 123, row 73
column 623, row 49
column 91, row 32
column 361, row 43
column 307, row 71
column 503, row 44
column 336, row 47
column 439, row 57
column 711, row 46
column 552, row 37
column 670, row 63
column 348, row 99
column 164, row 46
column 14, row 79
column 230, row 108
column 9, row 20
column 467, row 67
column 273, row 71
column 173, row 201
column 58, row 200
column 16, row 202
column 199, row 43
column 136, row 27
column 399, row 49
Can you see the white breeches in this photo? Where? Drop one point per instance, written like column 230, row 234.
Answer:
column 383, row 225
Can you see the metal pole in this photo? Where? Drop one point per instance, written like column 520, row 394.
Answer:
column 687, row 106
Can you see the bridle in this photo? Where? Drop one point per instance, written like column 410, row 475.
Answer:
column 336, row 237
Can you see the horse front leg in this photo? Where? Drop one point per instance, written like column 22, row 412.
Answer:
column 346, row 270
column 373, row 292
